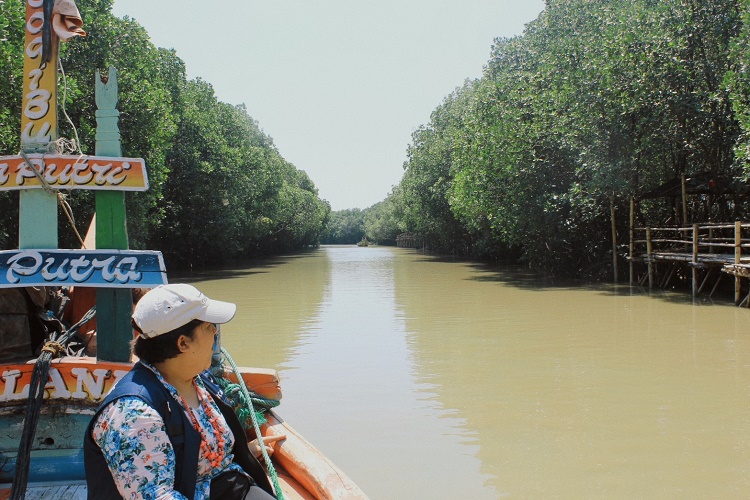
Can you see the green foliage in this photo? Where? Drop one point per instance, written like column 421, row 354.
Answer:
column 383, row 222
column 738, row 81
column 219, row 189
column 596, row 100
column 429, row 177
column 344, row 227
column 12, row 16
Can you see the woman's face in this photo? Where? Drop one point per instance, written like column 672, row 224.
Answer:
column 202, row 346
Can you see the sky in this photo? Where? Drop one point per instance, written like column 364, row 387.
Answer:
column 339, row 85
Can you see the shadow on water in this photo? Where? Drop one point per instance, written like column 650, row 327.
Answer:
column 512, row 274
column 573, row 392
column 239, row 269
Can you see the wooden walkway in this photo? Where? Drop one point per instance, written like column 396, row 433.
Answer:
column 68, row 490
column 76, row 490
column 405, row 240
column 708, row 250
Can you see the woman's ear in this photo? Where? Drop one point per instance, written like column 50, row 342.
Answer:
column 183, row 343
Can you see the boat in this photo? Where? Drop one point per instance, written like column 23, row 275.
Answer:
column 48, row 394
column 76, row 385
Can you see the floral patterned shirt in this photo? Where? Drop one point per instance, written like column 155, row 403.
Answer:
column 140, row 457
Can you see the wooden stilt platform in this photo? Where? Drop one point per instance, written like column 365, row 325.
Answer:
column 701, row 248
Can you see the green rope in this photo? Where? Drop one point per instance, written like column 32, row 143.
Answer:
column 256, row 425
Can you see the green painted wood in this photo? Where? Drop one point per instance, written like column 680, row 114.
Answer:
column 114, row 307
column 111, row 225
column 37, row 220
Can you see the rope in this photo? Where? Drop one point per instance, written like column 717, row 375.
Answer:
column 76, row 146
column 39, row 378
column 60, row 197
column 60, row 146
column 256, row 425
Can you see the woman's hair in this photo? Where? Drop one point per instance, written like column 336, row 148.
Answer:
column 164, row 346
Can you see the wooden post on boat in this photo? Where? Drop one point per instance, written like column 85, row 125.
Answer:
column 694, row 263
column 632, row 237
column 114, row 305
column 649, row 249
column 737, row 260
column 40, row 172
column 38, row 208
column 614, row 237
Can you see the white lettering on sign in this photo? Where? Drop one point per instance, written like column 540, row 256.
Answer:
column 72, row 172
column 90, row 383
column 9, row 378
column 37, row 104
column 34, row 76
column 35, row 23
column 121, row 269
column 42, row 136
column 56, row 385
column 96, row 268
column 94, row 388
column 38, row 118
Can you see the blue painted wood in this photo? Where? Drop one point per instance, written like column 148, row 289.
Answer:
column 93, row 268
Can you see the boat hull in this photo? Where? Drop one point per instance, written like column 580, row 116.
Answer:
column 75, row 388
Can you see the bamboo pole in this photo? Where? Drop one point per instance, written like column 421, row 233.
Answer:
column 614, row 237
column 705, row 280
column 716, row 285
column 632, row 236
column 668, row 278
column 650, row 260
column 737, row 258
column 695, row 260
column 684, row 201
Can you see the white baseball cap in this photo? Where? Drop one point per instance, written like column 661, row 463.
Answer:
column 168, row 307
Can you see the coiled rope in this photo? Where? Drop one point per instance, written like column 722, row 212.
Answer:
column 52, row 348
column 256, row 425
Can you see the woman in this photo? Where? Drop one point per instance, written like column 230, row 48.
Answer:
column 163, row 432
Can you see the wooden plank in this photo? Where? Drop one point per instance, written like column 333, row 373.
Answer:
column 96, row 268
column 73, row 172
column 114, row 307
column 111, row 230
column 38, row 209
column 76, row 382
column 75, row 490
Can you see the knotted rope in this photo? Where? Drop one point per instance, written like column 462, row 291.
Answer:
column 39, row 378
column 268, row 403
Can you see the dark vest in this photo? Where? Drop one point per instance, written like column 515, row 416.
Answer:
column 142, row 383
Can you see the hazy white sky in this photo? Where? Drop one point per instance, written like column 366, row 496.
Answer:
column 340, row 85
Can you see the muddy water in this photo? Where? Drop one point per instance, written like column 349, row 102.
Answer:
column 424, row 378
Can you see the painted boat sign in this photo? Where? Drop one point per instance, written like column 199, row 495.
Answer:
column 73, row 172
column 94, row 268
column 75, row 380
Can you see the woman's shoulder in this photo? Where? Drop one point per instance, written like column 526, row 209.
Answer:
column 128, row 408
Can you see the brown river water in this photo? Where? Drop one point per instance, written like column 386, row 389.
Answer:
column 429, row 378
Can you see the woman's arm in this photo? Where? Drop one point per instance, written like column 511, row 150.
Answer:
column 139, row 454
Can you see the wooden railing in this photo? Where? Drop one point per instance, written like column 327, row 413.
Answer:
column 699, row 246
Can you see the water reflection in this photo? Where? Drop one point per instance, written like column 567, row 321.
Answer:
column 427, row 378
column 275, row 298
column 584, row 393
